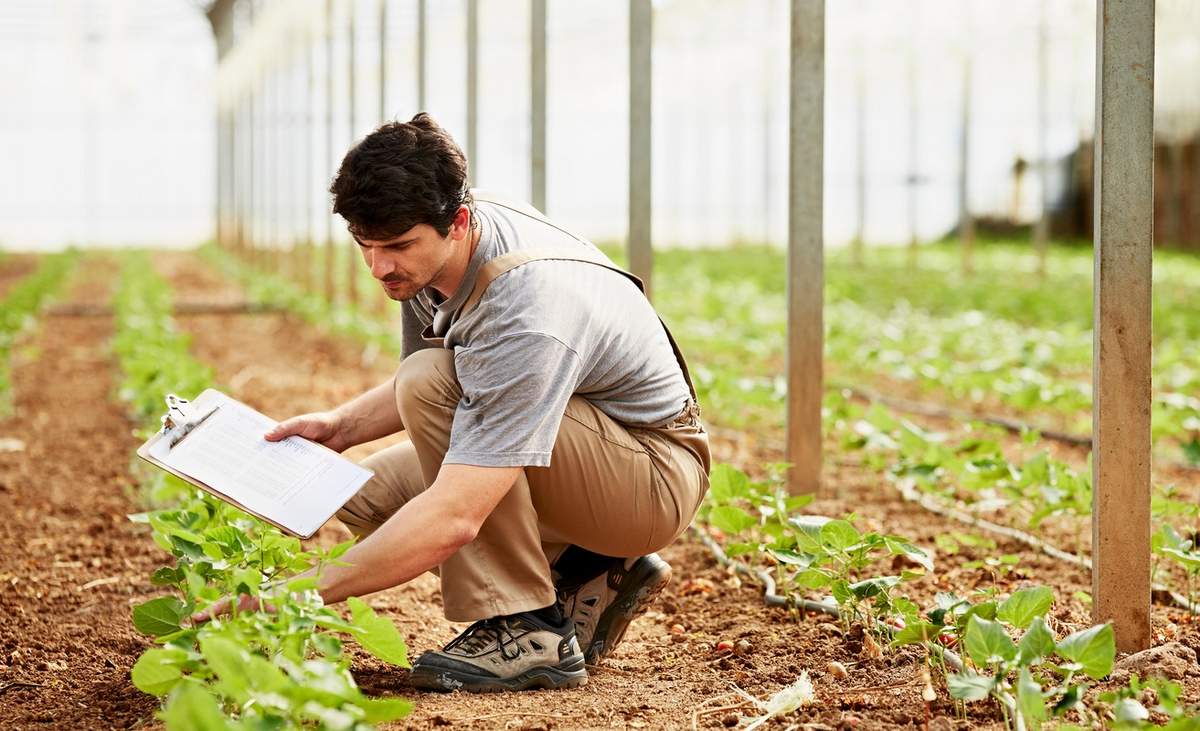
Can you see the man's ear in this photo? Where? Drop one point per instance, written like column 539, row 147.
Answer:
column 462, row 223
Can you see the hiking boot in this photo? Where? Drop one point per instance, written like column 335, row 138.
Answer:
column 603, row 607
column 515, row 652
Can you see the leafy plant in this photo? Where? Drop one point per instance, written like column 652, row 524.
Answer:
column 19, row 309
column 1181, row 551
column 283, row 666
column 1026, row 675
column 277, row 669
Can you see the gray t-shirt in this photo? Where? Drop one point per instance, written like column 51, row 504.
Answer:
column 541, row 333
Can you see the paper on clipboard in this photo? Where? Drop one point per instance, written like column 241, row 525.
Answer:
column 295, row 484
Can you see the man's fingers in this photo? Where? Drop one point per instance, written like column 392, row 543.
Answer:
column 223, row 608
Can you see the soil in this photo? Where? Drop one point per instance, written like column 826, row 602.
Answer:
column 72, row 564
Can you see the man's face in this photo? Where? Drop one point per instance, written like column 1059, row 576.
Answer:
column 421, row 257
column 409, row 262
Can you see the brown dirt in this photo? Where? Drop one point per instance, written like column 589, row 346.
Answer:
column 72, row 565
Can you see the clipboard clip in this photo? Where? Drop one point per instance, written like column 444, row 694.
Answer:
column 182, row 418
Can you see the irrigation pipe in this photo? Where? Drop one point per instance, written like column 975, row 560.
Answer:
column 773, row 599
column 929, row 503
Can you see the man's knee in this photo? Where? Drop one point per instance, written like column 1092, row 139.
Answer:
column 427, row 376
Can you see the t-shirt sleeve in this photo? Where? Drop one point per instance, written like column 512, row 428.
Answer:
column 515, row 391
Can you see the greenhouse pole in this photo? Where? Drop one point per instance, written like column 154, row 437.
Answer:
column 421, row 53
column 330, row 250
column 352, row 94
column 473, row 89
column 537, row 121
column 805, row 260
column 1124, row 233
column 639, row 252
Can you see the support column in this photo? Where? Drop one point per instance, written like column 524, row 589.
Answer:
column 537, row 122
column 1124, row 233
column 639, row 248
column 805, row 261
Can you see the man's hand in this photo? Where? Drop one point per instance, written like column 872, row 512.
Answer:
column 323, row 428
column 370, row 416
column 224, row 608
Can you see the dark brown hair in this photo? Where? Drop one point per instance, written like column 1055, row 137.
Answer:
column 401, row 175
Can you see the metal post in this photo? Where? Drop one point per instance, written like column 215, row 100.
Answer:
column 310, row 141
column 1041, row 229
column 383, row 36
column 805, row 263
column 966, row 220
column 421, row 53
column 640, row 252
column 330, row 282
column 473, row 87
column 537, row 123
column 352, row 254
column 1124, row 233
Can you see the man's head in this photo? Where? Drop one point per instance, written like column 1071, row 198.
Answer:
column 401, row 175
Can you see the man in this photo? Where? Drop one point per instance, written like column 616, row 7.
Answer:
column 554, row 442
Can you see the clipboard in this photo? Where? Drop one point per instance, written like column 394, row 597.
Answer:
column 215, row 443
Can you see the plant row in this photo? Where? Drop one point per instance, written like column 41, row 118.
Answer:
column 18, row 313
column 1003, row 340
column 283, row 667
column 1014, row 656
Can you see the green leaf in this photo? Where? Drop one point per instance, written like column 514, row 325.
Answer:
column 1186, row 559
column 840, row 535
column 1093, row 648
column 808, row 532
column 159, row 616
column 1020, row 608
column 873, row 586
column 731, row 519
column 969, row 686
column 230, row 662
column 988, row 643
column 727, row 483
column 791, row 558
column 158, row 671
column 1036, row 643
column 381, row 710
column 1070, row 699
column 192, row 709
column 1191, row 450
column 916, row 632
column 901, row 546
column 840, row 589
column 1031, row 701
column 377, row 635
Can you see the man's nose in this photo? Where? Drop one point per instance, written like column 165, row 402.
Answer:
column 380, row 265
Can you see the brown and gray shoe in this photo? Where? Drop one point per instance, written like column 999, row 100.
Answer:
column 516, row 652
column 603, row 607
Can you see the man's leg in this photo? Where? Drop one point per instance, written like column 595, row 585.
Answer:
column 501, row 580
column 610, row 490
column 610, row 522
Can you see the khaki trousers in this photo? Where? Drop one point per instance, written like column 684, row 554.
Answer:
column 610, row 489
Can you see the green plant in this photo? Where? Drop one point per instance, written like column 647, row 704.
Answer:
column 280, row 667
column 277, row 669
column 1018, row 677
column 19, row 309
column 1127, row 712
column 1181, row 551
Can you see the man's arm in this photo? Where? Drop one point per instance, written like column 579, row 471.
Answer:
column 369, row 417
column 422, row 534
column 405, row 546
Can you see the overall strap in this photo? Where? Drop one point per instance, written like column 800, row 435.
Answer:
column 513, row 259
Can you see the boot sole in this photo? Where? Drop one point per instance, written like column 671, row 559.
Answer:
column 651, row 577
column 569, row 673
